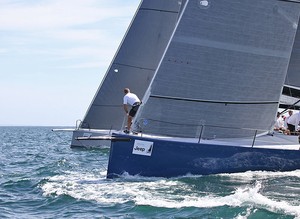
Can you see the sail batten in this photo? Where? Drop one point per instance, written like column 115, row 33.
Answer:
column 159, row 10
column 138, row 67
column 232, row 46
column 213, row 101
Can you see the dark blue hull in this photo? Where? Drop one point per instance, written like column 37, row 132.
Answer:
column 170, row 159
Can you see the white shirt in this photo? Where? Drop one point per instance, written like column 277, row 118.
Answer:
column 130, row 99
column 294, row 119
column 279, row 123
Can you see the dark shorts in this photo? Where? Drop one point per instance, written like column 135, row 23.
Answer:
column 291, row 127
column 133, row 110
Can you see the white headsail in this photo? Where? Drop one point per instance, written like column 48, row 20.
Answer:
column 134, row 63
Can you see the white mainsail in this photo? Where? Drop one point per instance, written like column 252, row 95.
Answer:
column 224, row 66
column 291, row 90
column 292, row 78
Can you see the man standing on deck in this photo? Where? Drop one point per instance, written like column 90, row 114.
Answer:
column 132, row 100
column 293, row 123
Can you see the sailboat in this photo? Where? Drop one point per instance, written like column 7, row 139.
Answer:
column 211, row 105
column 133, row 66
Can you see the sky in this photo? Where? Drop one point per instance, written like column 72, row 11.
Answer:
column 53, row 56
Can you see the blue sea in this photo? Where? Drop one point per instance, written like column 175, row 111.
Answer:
column 42, row 177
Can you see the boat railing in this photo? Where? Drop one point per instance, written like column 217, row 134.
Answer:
column 201, row 131
column 253, row 132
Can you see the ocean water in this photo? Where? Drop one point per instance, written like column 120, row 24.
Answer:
column 42, row 177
